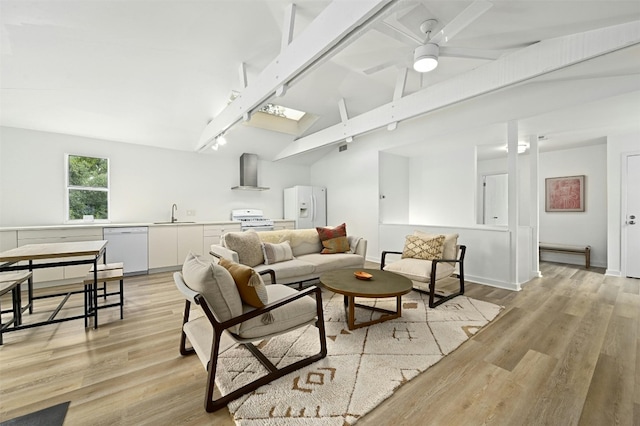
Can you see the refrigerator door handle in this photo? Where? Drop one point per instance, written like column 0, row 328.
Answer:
column 313, row 208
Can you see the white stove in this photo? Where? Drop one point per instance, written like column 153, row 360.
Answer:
column 252, row 219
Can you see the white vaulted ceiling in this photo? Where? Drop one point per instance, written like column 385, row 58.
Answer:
column 156, row 72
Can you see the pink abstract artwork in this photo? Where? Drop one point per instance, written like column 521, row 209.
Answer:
column 565, row 194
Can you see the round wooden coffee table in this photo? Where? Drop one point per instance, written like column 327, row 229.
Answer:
column 382, row 284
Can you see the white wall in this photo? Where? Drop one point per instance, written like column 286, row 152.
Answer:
column 443, row 187
column 145, row 181
column 617, row 146
column 577, row 228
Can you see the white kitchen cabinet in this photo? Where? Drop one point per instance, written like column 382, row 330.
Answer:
column 62, row 235
column 163, row 246
column 213, row 233
column 189, row 240
column 170, row 244
column 284, row 224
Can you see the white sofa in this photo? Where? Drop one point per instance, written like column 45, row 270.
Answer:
column 307, row 263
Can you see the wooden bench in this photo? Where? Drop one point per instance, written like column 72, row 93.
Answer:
column 11, row 283
column 104, row 276
column 565, row 248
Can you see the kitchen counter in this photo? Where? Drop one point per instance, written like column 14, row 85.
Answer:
column 121, row 225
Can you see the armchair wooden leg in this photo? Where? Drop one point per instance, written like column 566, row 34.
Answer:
column 183, row 337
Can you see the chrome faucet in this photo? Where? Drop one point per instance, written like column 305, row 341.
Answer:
column 173, row 215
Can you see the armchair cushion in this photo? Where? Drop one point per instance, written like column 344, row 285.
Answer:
column 419, row 269
column 274, row 253
column 252, row 290
column 215, row 284
column 285, row 317
column 247, row 245
column 417, row 247
column 334, row 240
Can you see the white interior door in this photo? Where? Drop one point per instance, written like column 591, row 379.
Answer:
column 631, row 225
column 496, row 210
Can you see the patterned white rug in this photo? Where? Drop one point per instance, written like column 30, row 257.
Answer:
column 363, row 367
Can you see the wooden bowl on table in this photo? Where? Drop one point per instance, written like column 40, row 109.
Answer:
column 361, row 275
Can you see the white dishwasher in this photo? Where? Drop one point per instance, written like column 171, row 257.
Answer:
column 129, row 246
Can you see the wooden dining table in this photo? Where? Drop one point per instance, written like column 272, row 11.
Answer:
column 52, row 255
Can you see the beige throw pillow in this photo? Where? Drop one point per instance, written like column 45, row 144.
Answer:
column 247, row 245
column 426, row 249
column 215, row 284
column 274, row 253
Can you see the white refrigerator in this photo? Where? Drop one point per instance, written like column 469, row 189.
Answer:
column 307, row 205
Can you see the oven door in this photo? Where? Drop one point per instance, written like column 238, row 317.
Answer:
column 258, row 228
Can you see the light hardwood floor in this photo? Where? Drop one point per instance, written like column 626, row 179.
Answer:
column 563, row 352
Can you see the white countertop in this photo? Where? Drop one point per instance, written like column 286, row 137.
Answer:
column 122, row 225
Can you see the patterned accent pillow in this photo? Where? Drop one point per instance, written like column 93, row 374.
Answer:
column 274, row 253
column 247, row 245
column 334, row 240
column 252, row 290
column 426, row 249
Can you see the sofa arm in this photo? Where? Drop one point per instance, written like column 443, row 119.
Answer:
column 361, row 248
column 224, row 253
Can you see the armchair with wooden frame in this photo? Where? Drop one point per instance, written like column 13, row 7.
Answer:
column 426, row 274
column 287, row 310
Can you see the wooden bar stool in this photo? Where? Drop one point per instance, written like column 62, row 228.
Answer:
column 104, row 277
column 12, row 282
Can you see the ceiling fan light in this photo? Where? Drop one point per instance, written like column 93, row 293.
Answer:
column 425, row 57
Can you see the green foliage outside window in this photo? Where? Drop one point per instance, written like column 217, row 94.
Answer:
column 88, row 187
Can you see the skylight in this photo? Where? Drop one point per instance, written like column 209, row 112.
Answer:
column 280, row 111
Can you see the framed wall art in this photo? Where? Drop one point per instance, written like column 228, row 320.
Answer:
column 564, row 194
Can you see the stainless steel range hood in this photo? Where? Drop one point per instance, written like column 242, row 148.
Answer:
column 249, row 173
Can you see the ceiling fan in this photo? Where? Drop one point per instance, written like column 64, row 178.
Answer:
column 416, row 28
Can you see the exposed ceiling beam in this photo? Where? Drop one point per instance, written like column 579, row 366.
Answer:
column 333, row 24
column 533, row 61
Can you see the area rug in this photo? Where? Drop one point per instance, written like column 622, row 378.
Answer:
column 51, row 416
column 363, row 366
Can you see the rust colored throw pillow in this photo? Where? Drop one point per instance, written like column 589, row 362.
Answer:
column 252, row 290
column 334, row 240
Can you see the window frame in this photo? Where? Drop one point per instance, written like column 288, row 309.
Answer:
column 68, row 188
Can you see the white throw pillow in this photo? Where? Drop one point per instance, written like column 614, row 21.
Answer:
column 274, row 253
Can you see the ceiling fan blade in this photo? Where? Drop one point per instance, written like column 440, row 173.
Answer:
column 460, row 22
column 462, row 52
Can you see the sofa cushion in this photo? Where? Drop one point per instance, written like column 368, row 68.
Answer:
column 416, row 247
column 288, row 269
column 247, row 245
column 304, row 241
column 284, row 318
column 215, row 284
column 450, row 250
column 249, row 283
column 418, row 269
column 325, row 263
column 275, row 237
column 274, row 253
column 334, row 239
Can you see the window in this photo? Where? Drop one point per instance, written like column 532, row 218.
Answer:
column 87, row 188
